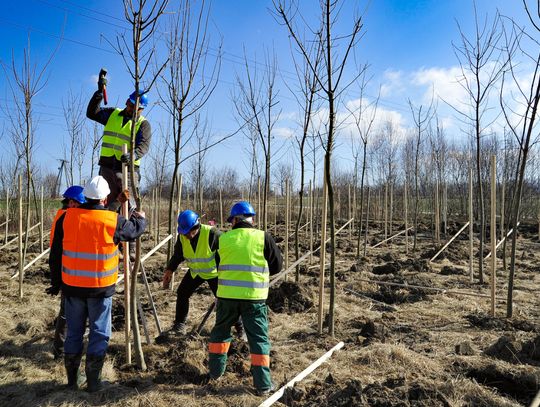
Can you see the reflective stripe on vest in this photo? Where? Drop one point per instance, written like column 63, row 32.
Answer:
column 59, row 213
column 115, row 135
column 243, row 270
column 90, row 257
column 201, row 262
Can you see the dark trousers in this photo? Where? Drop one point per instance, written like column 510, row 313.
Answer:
column 60, row 330
column 187, row 287
column 114, row 179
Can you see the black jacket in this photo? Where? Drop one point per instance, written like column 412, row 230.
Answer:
column 102, row 114
column 126, row 230
column 178, row 253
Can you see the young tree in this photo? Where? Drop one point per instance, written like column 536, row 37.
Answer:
column 75, row 150
column 481, row 66
column 256, row 105
column 331, row 86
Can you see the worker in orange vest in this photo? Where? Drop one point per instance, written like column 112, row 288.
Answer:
column 84, row 263
column 73, row 198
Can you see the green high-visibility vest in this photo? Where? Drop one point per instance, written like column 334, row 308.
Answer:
column 201, row 262
column 115, row 135
column 243, row 271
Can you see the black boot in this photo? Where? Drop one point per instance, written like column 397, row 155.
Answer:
column 94, row 364
column 72, row 362
column 240, row 332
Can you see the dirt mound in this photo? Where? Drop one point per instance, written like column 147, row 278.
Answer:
column 449, row 270
column 393, row 392
column 520, row 385
column 388, row 268
column 179, row 366
column 289, row 297
column 509, row 349
column 373, row 331
column 488, row 322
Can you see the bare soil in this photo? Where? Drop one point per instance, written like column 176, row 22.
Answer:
column 404, row 346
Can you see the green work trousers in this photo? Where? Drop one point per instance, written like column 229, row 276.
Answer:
column 255, row 317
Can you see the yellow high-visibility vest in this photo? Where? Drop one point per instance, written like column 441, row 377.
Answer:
column 202, row 261
column 243, row 271
column 115, row 135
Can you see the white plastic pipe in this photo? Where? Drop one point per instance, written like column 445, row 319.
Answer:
column 277, row 395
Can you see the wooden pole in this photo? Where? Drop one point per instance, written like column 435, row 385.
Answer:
column 220, row 210
column 391, row 209
column 20, row 241
column 350, row 210
column 450, row 241
column 322, row 253
column 445, row 209
column 367, row 222
column 310, row 222
column 471, row 273
column 500, row 242
column 385, row 210
column 258, row 201
column 437, row 213
column 501, row 226
column 493, row 231
column 127, row 313
column 406, row 215
column 287, row 209
column 7, row 216
column 178, row 206
column 275, row 209
column 389, row 238
column 41, row 222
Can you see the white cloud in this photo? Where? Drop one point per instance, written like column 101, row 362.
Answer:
column 283, row 132
column 392, row 83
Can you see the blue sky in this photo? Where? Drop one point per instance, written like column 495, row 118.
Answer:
column 408, row 45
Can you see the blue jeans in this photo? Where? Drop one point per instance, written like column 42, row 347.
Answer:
column 98, row 313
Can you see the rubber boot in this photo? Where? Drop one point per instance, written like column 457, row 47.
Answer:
column 72, row 362
column 94, row 364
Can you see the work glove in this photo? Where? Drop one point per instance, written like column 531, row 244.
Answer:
column 167, row 276
column 123, row 196
column 125, row 158
column 52, row 290
column 101, row 83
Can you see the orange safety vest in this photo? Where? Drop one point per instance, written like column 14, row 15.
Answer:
column 90, row 256
column 59, row 213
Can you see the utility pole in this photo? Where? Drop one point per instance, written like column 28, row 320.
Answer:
column 58, row 182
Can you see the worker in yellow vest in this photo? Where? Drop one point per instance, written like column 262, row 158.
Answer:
column 116, row 134
column 84, row 263
column 196, row 244
column 73, row 198
column 248, row 257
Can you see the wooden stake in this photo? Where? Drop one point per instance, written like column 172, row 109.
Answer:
column 310, row 222
column 450, row 241
column 127, row 313
column 437, row 214
column 501, row 226
column 20, row 241
column 7, row 216
column 385, row 211
column 258, row 201
column 493, row 231
column 287, row 209
column 501, row 242
column 349, row 210
column 391, row 209
column 221, row 223
column 445, row 208
column 471, row 273
column 406, row 216
column 322, row 253
column 367, row 222
column 390, row 238
column 41, row 222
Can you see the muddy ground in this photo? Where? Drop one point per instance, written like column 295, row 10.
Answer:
column 404, row 346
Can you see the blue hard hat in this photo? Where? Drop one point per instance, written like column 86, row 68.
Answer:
column 143, row 100
column 75, row 192
column 187, row 220
column 242, row 208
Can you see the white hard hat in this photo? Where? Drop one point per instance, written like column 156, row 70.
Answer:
column 97, row 188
